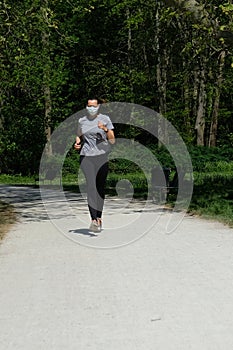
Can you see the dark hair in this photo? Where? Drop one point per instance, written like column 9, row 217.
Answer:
column 93, row 98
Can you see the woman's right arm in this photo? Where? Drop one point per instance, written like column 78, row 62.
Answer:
column 77, row 144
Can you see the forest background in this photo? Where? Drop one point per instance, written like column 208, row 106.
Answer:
column 172, row 56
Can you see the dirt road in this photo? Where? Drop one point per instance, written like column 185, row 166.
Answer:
column 62, row 288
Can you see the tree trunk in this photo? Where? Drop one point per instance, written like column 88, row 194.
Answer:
column 200, row 120
column 1, row 105
column 46, row 77
column 162, row 80
column 129, row 52
column 187, row 97
column 187, row 108
column 195, row 93
column 161, row 76
column 48, row 109
column 214, row 119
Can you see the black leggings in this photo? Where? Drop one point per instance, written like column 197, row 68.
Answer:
column 95, row 169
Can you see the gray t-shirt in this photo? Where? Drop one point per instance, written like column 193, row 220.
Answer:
column 95, row 140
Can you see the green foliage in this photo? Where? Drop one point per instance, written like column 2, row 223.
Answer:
column 205, row 159
column 135, row 184
column 17, row 180
column 21, row 144
column 114, row 50
column 213, row 194
column 71, row 163
column 163, row 156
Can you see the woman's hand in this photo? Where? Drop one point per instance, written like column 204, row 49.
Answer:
column 77, row 144
column 102, row 126
column 110, row 133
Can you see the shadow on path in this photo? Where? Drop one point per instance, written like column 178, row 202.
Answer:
column 83, row 231
column 30, row 208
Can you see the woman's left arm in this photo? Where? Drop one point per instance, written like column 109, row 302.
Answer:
column 111, row 136
column 109, row 132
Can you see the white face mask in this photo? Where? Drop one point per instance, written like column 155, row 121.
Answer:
column 92, row 110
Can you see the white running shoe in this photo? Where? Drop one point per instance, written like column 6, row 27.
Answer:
column 94, row 227
column 99, row 220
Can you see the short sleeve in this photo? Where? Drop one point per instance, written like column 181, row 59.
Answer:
column 79, row 130
column 109, row 124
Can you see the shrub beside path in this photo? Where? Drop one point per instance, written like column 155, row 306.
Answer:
column 161, row 292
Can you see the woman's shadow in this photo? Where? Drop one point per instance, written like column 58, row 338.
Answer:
column 83, row 231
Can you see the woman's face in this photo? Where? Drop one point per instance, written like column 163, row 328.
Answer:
column 92, row 107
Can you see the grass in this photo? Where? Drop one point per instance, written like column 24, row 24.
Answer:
column 220, row 211
column 7, row 218
column 17, row 180
column 213, row 196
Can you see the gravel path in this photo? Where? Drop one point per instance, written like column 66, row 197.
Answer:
column 62, row 288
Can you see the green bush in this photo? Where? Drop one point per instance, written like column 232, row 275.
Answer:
column 202, row 157
column 138, row 182
column 71, row 163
